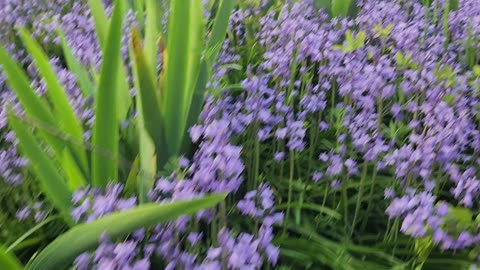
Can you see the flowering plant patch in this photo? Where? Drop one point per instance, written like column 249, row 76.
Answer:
column 303, row 134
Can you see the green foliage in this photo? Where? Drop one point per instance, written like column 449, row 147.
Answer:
column 184, row 47
column 105, row 130
column 63, row 250
column 151, row 120
column 51, row 181
column 352, row 42
column 85, row 83
column 340, row 7
column 405, row 61
column 67, row 119
column 35, row 107
column 423, row 248
column 8, row 261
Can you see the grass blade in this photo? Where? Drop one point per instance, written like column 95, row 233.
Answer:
column 86, row 85
column 51, row 181
column 35, row 107
column 151, row 33
column 131, row 183
column 8, row 261
column 340, row 7
column 105, row 130
column 81, row 238
column 146, row 145
column 100, row 19
column 138, row 7
column 101, row 26
column 184, row 44
column 28, row 233
column 219, row 30
column 69, row 122
column 197, row 102
column 75, row 179
column 214, row 45
column 150, row 109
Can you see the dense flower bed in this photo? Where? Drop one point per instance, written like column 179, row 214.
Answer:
column 344, row 143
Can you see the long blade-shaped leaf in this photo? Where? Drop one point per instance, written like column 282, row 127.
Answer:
column 146, row 145
column 105, row 130
column 85, row 83
column 196, row 42
column 35, row 107
column 58, row 97
column 75, row 179
column 151, row 114
column 340, row 7
column 51, row 182
column 219, row 30
column 138, row 7
column 101, row 26
column 197, row 103
column 8, row 261
column 184, row 47
column 213, row 48
column 151, row 33
column 100, row 19
column 84, row 237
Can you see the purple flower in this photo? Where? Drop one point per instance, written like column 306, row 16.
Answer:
column 279, row 156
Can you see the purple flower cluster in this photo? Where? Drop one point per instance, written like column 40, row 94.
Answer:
column 91, row 203
column 405, row 101
column 36, row 211
column 110, row 255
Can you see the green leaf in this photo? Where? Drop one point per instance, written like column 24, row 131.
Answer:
column 360, row 39
column 36, row 108
column 215, row 42
column 423, row 248
column 144, row 83
column 75, row 178
column 219, row 30
column 449, row 99
column 63, row 250
column 151, row 34
column 65, row 115
column 28, row 233
column 323, row 4
column 101, row 26
column 8, row 261
column 349, row 37
column 100, row 18
column 105, row 130
column 340, row 7
column 138, row 7
column 454, row 4
column 184, row 46
column 85, row 83
column 152, row 117
column 197, row 102
column 51, row 181
column 462, row 215
column 318, row 208
column 130, row 184
column 476, row 70
column 446, row 27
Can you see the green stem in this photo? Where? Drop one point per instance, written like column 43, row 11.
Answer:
column 359, row 198
column 325, row 194
column 290, row 190
column 333, row 101
column 370, row 194
column 345, row 202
